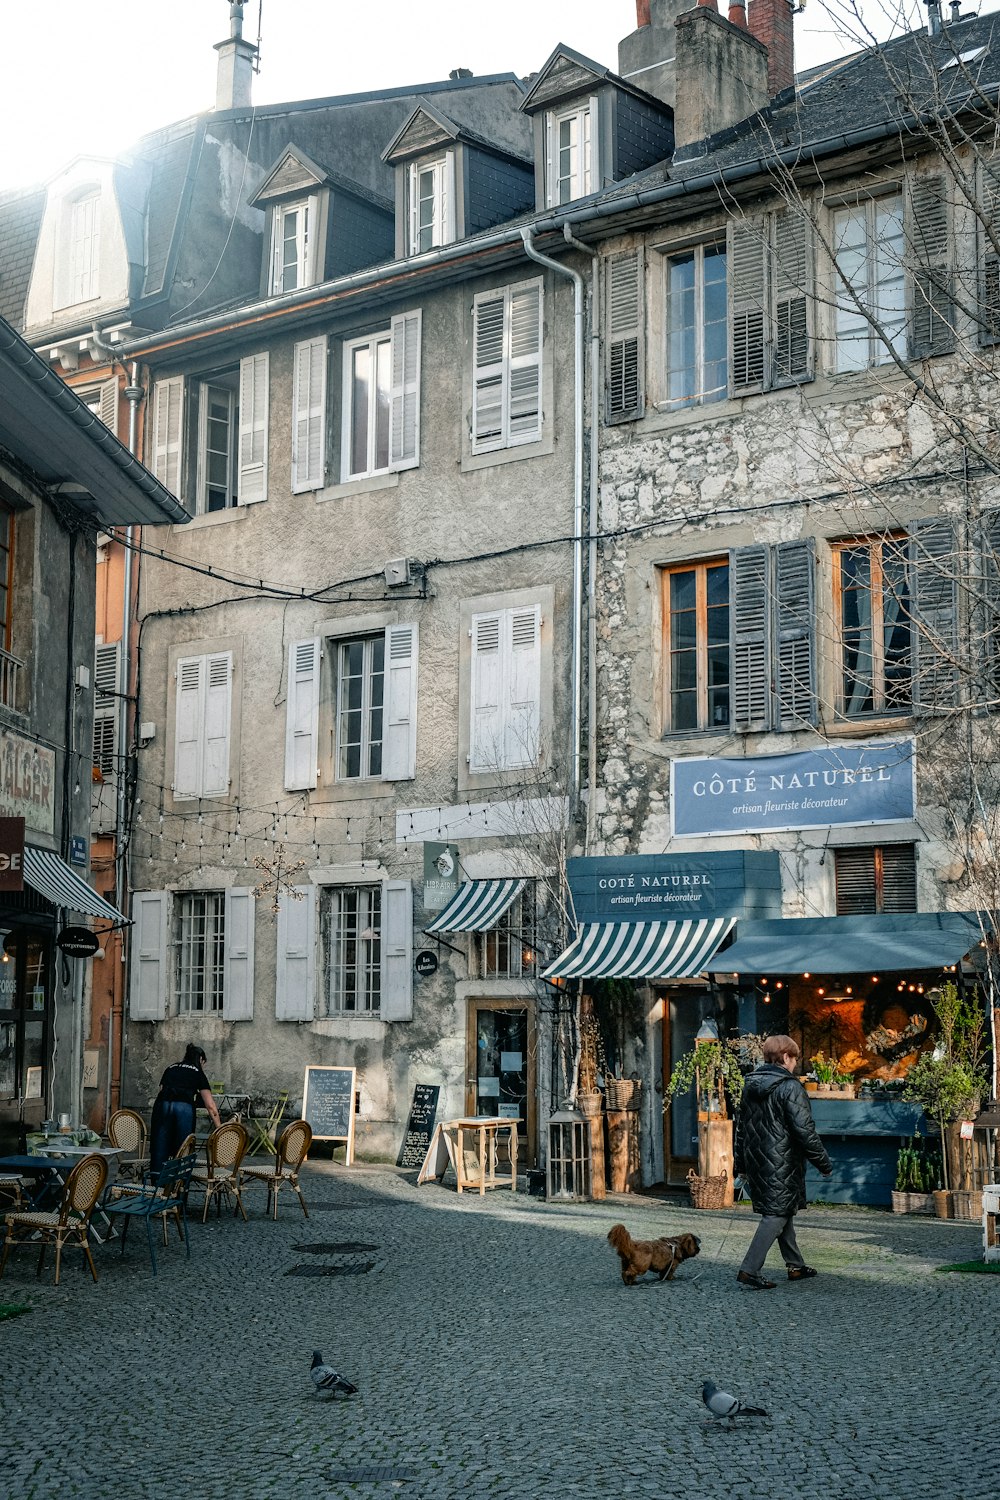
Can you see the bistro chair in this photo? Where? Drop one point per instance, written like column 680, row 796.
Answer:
column 293, row 1145
column 265, row 1125
column 127, row 1130
column 12, row 1188
column 224, row 1151
column 165, row 1199
column 69, row 1223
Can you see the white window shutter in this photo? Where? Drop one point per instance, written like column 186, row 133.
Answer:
column 168, row 404
column 397, row 951
column 550, row 159
column 413, row 204
column 253, row 429
column 107, row 659
column 309, row 416
column 486, row 736
column 188, row 725
column 302, row 715
column 295, row 976
column 108, row 411
column 404, row 438
column 523, row 675
column 489, row 397
column 399, row 743
column 590, row 128
column 148, row 953
column 525, row 385
column 237, row 963
column 218, row 710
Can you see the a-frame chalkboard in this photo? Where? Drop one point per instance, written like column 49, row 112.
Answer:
column 328, row 1105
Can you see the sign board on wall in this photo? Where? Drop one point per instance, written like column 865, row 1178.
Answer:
column 441, row 875
column 675, row 887
column 11, row 854
column 27, row 782
column 834, row 785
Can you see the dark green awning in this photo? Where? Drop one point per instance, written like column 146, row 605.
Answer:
column 852, row 945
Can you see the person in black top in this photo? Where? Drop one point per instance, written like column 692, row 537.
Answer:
column 182, row 1087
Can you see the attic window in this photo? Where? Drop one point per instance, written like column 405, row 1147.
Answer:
column 570, row 148
column 431, row 190
column 293, row 250
column 963, row 59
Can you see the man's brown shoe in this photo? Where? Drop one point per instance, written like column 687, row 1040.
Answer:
column 755, row 1283
column 801, row 1273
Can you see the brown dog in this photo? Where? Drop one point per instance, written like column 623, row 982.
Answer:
column 662, row 1256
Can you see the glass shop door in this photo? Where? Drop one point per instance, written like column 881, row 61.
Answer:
column 501, row 1068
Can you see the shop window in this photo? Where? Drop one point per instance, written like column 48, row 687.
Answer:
column 200, row 937
column 510, row 949
column 872, row 581
column 697, row 646
column 873, row 879
column 353, row 931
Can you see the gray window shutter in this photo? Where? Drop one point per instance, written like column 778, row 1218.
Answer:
column 934, row 592
column 490, row 371
column 624, row 344
column 929, row 263
column 396, row 1002
column 985, row 621
column 106, row 669
column 295, row 974
column 749, row 634
column 795, row 633
column 988, row 235
column 147, row 1000
column 237, row 963
column 791, row 264
column 747, row 264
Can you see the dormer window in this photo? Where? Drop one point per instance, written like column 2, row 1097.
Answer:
column 78, row 260
column 570, row 153
column 293, row 239
column 432, row 203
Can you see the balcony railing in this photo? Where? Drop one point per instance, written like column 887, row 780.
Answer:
column 10, row 669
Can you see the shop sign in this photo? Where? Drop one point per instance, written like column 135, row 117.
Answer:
column 77, row 942
column 671, row 887
column 441, row 875
column 11, row 854
column 27, row 782
column 426, row 962
column 836, row 785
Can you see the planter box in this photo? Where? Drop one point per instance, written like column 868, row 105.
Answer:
column 831, row 1090
column 912, row 1203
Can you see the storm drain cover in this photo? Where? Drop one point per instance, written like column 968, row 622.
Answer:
column 343, row 1247
column 352, row 1473
column 353, row 1270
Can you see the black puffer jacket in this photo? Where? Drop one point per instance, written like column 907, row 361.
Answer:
column 775, row 1137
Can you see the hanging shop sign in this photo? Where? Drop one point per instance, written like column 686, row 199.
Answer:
column 11, row 854
column 441, row 875
column 77, row 942
column 27, row 782
column 835, row 785
column 425, row 963
column 669, row 887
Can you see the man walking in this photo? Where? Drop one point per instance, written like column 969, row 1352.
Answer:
column 775, row 1137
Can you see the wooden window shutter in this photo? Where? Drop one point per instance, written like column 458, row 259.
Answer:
column 795, row 633
column 218, row 712
column 309, row 416
column 404, row 408
column 148, row 955
column 295, row 972
column 302, row 715
column 871, row 880
column 747, row 266
column 624, row 342
column 237, row 962
column 168, row 403
column 749, row 619
column 524, row 415
column 490, row 373
column 106, row 670
column 985, row 622
column 108, row 411
column 399, row 743
column 988, row 237
column 791, row 264
column 521, row 676
column 486, row 732
column 397, row 951
column 929, row 263
column 189, row 716
column 252, row 485
column 934, row 562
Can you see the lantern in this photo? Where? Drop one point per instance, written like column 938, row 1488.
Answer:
column 569, row 1155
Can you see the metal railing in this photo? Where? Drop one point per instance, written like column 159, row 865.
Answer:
column 10, row 669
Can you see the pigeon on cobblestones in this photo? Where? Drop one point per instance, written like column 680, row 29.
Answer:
column 326, row 1379
column 721, row 1404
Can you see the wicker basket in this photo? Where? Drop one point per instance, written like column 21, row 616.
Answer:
column 621, row 1093
column 707, row 1192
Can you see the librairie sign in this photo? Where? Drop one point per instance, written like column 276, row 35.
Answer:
column 833, row 786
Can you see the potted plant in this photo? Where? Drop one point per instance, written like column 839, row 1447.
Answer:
column 830, row 1081
column 716, row 1069
column 917, row 1175
column 949, row 1083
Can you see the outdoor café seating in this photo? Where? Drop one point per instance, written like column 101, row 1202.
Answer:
column 165, row 1199
column 127, row 1130
column 69, row 1224
column 12, row 1188
column 293, row 1145
column 220, row 1177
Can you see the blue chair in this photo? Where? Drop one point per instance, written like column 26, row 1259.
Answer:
column 166, row 1198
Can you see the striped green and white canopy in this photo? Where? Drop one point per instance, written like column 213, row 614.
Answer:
column 641, row 950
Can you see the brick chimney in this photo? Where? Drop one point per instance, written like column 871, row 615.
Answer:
column 770, row 21
column 235, row 69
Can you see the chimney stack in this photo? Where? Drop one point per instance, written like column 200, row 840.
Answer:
column 721, row 75
column 770, row 22
column 236, row 59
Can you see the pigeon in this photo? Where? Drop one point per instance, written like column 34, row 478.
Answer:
column 721, row 1404
column 326, row 1379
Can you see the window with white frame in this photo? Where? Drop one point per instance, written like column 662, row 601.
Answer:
column 507, row 378
column 870, row 283
column 697, row 338
column 200, row 936
column 431, row 188
column 230, row 435
column 218, row 442
column 510, row 949
column 84, row 248
column 360, row 704
column 506, row 690
column 569, row 153
column 202, row 725
column 381, row 400
column 292, row 245
column 352, row 925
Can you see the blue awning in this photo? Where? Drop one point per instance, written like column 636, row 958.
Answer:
column 641, row 950
column 477, row 906
column 887, row 944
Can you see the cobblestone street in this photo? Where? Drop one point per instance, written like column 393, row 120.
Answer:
column 498, row 1354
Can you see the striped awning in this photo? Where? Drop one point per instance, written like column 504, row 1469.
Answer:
column 477, row 906
column 641, row 950
column 52, row 878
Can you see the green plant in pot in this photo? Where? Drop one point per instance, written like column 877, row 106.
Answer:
column 827, row 1071
column 951, row 1081
column 715, row 1068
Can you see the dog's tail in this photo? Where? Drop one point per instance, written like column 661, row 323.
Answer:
column 620, row 1239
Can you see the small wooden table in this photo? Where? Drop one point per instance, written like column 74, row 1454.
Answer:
column 471, row 1147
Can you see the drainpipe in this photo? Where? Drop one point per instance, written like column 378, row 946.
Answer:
column 578, row 319
column 595, row 388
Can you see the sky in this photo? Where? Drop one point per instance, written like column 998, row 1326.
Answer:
column 88, row 77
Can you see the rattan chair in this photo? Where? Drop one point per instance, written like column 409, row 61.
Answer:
column 70, row 1222
column 293, row 1146
column 127, row 1130
column 220, row 1178
column 12, row 1188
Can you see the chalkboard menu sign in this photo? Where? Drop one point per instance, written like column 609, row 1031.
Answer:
column 328, row 1105
column 420, row 1125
